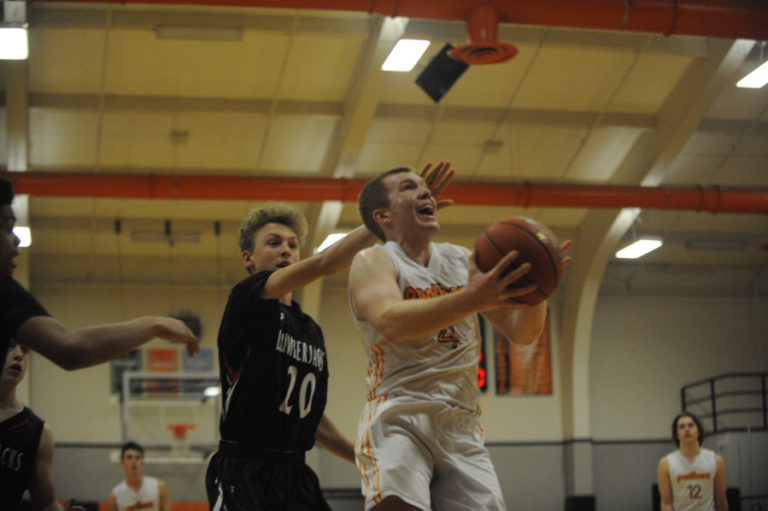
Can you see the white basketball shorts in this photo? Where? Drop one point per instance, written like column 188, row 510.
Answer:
column 429, row 454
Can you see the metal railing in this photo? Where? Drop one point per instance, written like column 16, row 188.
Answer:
column 754, row 503
column 729, row 402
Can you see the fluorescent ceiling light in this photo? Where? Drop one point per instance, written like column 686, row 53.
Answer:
column 24, row 234
column 639, row 248
column 330, row 240
column 405, row 55
column 756, row 78
column 13, row 41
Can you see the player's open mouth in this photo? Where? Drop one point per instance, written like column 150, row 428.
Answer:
column 427, row 210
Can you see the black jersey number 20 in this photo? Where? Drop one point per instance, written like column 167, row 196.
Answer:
column 305, row 402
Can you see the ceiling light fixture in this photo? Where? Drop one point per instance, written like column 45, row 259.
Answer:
column 24, row 234
column 330, row 240
column 13, row 41
column 639, row 248
column 405, row 55
column 759, row 76
column 756, row 79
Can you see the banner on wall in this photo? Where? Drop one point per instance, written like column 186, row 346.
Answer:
column 200, row 362
column 162, row 361
column 523, row 370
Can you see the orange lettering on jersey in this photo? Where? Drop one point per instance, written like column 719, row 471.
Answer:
column 692, row 475
column 434, row 290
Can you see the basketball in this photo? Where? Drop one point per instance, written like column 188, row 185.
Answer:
column 535, row 244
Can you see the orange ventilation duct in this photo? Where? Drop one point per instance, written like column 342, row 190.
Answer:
column 713, row 199
column 731, row 19
column 483, row 46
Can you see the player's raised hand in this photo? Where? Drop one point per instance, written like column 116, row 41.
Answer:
column 495, row 288
column 437, row 180
column 174, row 330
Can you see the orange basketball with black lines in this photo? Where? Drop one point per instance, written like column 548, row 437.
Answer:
column 535, row 244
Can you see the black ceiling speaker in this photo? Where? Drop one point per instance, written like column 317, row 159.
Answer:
column 440, row 74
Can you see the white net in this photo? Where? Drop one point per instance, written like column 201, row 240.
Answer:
column 174, row 416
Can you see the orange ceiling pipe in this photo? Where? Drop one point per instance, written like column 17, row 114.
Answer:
column 714, row 199
column 714, row 18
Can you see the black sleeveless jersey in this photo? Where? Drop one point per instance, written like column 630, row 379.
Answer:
column 19, row 438
column 16, row 306
column 274, row 373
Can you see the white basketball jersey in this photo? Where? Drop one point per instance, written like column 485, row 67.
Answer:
column 146, row 499
column 441, row 366
column 693, row 484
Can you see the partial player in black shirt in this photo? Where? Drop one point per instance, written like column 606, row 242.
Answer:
column 26, row 442
column 23, row 318
column 274, row 371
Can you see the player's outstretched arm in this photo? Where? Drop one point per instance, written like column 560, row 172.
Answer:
column 75, row 349
column 338, row 256
column 329, row 437
column 330, row 261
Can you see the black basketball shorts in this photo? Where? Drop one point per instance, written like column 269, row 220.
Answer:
column 248, row 481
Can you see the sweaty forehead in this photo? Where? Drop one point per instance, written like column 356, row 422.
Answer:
column 402, row 177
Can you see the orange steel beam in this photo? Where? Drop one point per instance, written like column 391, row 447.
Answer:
column 714, row 18
column 714, row 199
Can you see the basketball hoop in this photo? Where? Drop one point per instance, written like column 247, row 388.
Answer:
column 180, row 443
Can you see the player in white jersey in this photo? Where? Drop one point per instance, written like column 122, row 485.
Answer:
column 419, row 442
column 691, row 478
column 138, row 492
